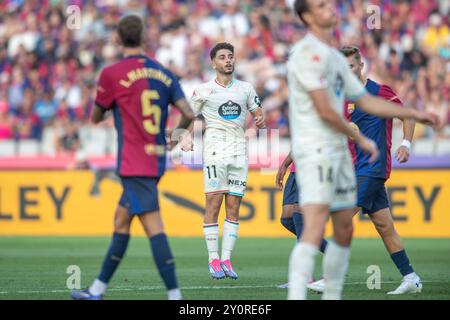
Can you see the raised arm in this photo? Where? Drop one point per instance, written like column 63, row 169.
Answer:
column 386, row 109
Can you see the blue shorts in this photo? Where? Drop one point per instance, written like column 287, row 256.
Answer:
column 372, row 195
column 290, row 193
column 140, row 195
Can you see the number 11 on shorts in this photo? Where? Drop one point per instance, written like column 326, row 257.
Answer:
column 209, row 171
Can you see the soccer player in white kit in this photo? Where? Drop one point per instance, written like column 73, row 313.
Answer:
column 319, row 81
column 224, row 103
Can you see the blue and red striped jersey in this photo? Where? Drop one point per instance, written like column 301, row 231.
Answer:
column 376, row 128
column 139, row 91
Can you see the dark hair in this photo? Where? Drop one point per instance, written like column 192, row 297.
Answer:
column 264, row 20
column 130, row 30
column 300, row 7
column 349, row 51
column 220, row 46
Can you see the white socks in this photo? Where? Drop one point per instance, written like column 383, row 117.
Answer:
column 411, row 276
column 174, row 294
column 98, row 287
column 335, row 265
column 211, row 232
column 229, row 237
column 301, row 267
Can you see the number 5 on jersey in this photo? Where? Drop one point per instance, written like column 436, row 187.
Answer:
column 151, row 110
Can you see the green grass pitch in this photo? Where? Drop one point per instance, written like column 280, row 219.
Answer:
column 35, row 268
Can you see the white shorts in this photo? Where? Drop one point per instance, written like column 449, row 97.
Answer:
column 326, row 176
column 226, row 175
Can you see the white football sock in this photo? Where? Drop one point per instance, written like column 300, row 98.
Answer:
column 229, row 237
column 411, row 276
column 98, row 287
column 174, row 294
column 335, row 265
column 301, row 267
column 211, row 232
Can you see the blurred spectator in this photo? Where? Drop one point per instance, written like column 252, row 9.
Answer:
column 440, row 108
column 45, row 107
column 67, row 139
column 207, row 24
column 6, row 125
column 436, row 34
column 5, row 62
column 275, row 106
column 233, row 22
column 421, row 10
column 16, row 89
column 26, row 123
column 23, row 38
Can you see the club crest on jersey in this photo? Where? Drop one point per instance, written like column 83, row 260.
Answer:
column 350, row 108
column 230, row 110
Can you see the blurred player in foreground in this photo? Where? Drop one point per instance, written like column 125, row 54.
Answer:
column 224, row 103
column 291, row 218
column 319, row 80
column 138, row 90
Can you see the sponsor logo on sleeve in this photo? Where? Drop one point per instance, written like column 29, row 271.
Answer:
column 257, row 101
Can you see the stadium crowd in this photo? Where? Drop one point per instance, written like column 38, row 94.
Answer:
column 49, row 64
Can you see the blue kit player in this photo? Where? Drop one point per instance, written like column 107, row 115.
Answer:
column 138, row 90
column 371, row 177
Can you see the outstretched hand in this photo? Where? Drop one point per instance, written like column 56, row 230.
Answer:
column 402, row 154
